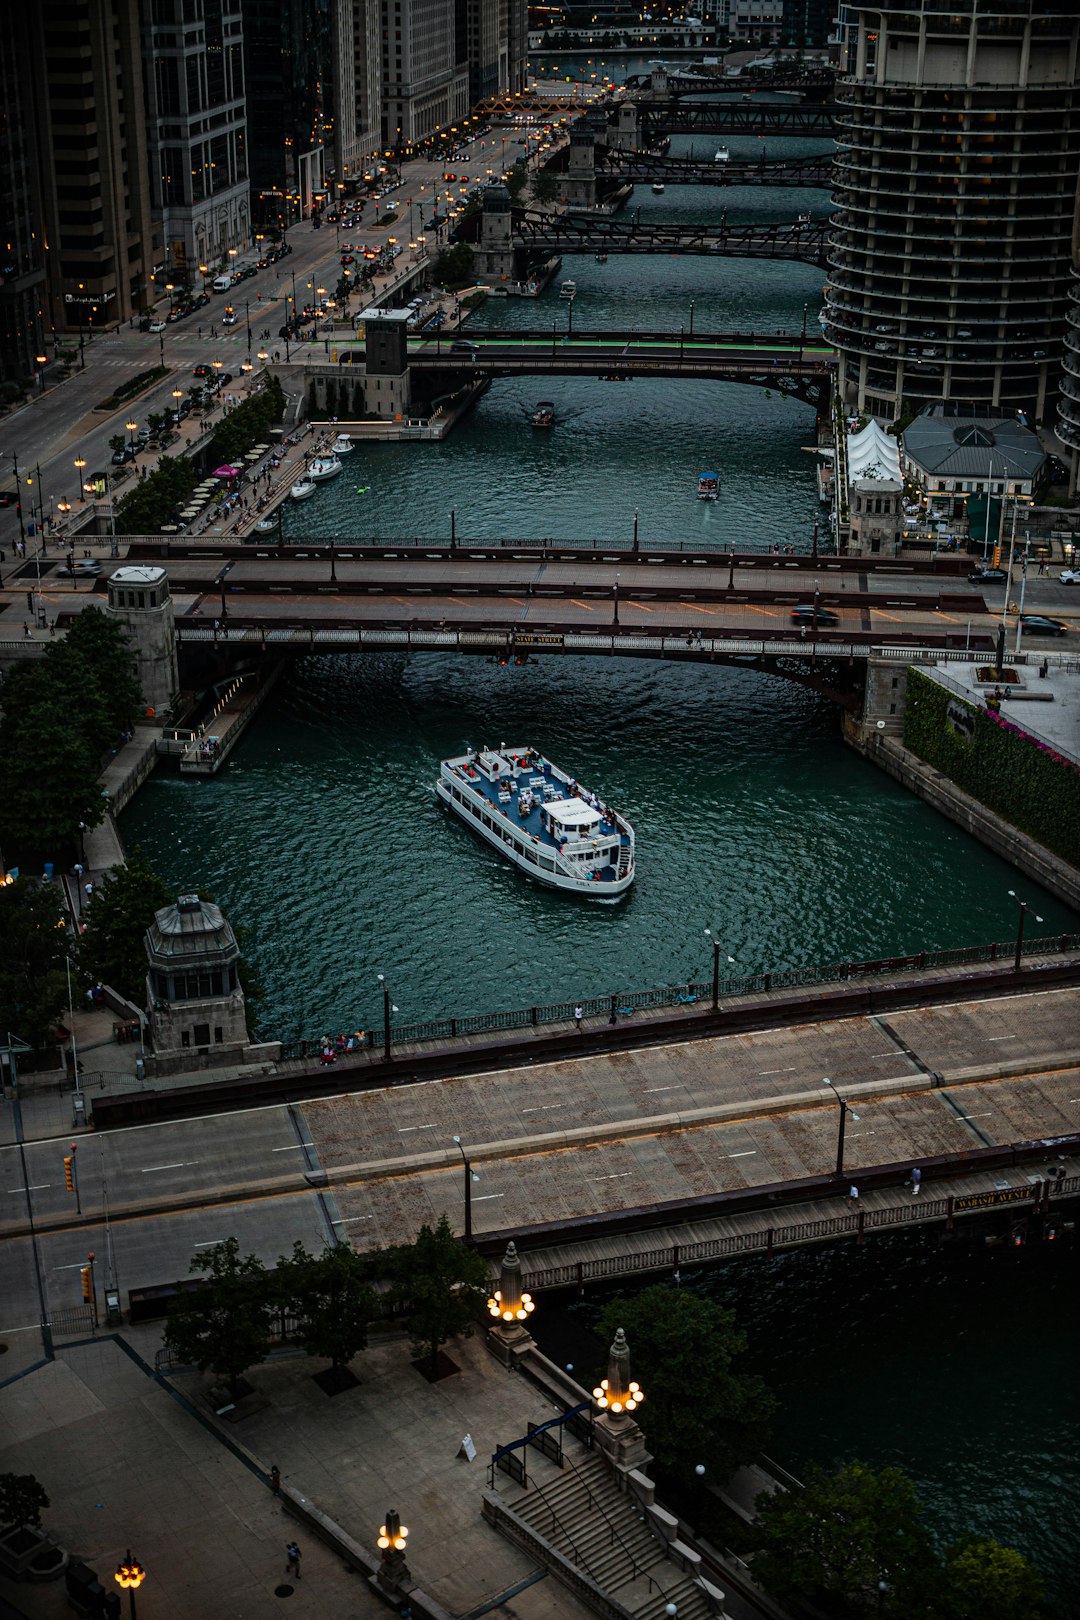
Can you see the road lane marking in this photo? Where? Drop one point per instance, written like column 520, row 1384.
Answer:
column 349, row 1219
column 574, row 601
column 403, row 1130
column 651, row 1089
column 618, row 1176
column 779, row 1071
column 39, row 1186
column 485, row 1197
column 1003, row 1037
column 695, row 609
column 211, row 1243
column 78, row 1265
column 293, row 1147
column 181, row 1164
column 985, row 1113
column 747, row 1153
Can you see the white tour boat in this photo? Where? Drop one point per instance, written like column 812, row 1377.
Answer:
column 708, row 486
column 322, row 468
column 722, row 155
column 303, row 489
column 541, row 820
column 658, row 188
column 568, row 289
column 342, row 445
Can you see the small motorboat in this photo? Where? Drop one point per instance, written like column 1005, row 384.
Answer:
column 568, row 289
column 708, row 486
column 303, row 490
column 658, row 188
column 722, row 155
column 342, row 445
column 544, row 414
column 265, row 525
column 322, row 468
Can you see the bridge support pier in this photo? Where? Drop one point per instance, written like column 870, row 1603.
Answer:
column 581, row 176
column 494, row 257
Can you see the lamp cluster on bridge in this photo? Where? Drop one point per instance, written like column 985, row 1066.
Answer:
column 618, row 1393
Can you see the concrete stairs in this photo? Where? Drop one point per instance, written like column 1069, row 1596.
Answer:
column 603, row 1533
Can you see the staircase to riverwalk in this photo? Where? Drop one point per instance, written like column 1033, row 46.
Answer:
column 627, row 1569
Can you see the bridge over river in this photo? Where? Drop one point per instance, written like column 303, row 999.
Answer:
column 544, row 235
column 817, row 621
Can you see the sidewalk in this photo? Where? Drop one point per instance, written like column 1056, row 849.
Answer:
column 127, row 1465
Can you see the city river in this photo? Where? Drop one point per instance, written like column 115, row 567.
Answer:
column 752, row 819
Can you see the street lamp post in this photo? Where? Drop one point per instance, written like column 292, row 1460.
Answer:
column 247, row 317
column 42, row 361
column 80, row 463
column 715, row 967
column 133, row 428
column 470, row 1177
column 130, row 1575
column 1024, row 909
column 388, row 1009
column 843, row 1122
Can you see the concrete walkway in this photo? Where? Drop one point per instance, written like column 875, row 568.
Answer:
column 126, row 1464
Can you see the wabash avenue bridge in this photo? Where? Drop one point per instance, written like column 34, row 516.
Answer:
column 626, row 164
column 547, row 235
column 816, row 621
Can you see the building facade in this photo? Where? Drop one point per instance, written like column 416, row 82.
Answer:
column 288, row 62
column 425, row 68
column 958, row 134
column 22, row 236
column 951, row 454
column 84, row 66
column 197, row 132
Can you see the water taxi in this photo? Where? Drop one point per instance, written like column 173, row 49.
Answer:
column 722, row 155
column 544, row 414
column 265, row 525
column 708, row 486
column 541, row 820
column 658, row 188
column 342, row 445
column 568, row 289
column 303, row 489
column 322, row 468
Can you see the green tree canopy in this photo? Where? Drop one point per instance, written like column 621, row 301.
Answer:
column 226, row 1325
column 33, row 974
column 120, row 911
column 154, row 500
column 247, row 424
column 22, row 1498
column 681, row 1341
column 442, row 1282
column 48, row 775
column 454, row 266
column 851, row 1541
column 985, row 1581
column 333, row 1298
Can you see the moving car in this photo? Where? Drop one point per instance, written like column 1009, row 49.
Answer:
column 80, row 566
column 157, row 326
column 988, row 576
column 1039, row 625
column 807, row 615
column 1070, row 576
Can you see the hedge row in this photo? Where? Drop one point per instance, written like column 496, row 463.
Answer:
column 1028, row 783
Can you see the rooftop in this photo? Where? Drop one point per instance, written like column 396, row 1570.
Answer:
column 970, row 447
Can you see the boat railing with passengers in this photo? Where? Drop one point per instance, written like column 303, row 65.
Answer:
column 541, row 820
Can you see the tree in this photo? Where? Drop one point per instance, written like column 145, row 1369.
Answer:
column 545, row 187
column 226, row 1325
column 109, row 653
column 853, row 1538
column 985, row 1581
column 443, row 1282
column 682, row 1342
column 454, row 266
column 33, row 974
column 333, row 1299
column 48, row 774
column 22, row 1498
column 119, row 913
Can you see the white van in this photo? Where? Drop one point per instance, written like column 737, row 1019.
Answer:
column 222, row 283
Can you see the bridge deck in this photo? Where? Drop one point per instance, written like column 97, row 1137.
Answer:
column 566, row 1140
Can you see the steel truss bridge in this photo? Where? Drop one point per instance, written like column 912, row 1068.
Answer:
column 818, row 83
column 543, row 236
column 674, row 117
column 624, row 163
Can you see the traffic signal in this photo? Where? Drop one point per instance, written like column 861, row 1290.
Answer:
column 69, row 1173
column 87, row 1283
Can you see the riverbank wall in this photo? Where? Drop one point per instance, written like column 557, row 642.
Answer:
column 889, row 754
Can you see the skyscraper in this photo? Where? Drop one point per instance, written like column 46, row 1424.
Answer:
column 22, row 233
column 197, row 131
column 958, row 135
column 83, row 70
column 425, row 67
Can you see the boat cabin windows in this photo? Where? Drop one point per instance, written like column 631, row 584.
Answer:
column 571, row 821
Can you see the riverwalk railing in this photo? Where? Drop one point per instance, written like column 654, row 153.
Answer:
column 700, row 993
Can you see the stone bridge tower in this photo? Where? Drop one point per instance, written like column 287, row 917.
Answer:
column 386, row 372
column 139, row 600
column 495, row 254
column 580, row 187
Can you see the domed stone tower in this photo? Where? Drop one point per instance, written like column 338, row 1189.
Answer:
column 193, row 992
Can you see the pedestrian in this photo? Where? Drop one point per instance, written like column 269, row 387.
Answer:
column 916, row 1179
column 26, row 628
column 853, row 1193
column 78, row 870
column 578, row 1015
column 292, row 1552
column 88, row 890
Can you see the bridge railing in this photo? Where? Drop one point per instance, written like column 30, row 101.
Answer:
column 695, row 992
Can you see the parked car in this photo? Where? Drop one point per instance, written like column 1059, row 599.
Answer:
column 988, row 576
column 200, row 371
column 121, row 457
column 1039, row 625
column 808, row 614
column 1070, row 576
column 157, row 326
